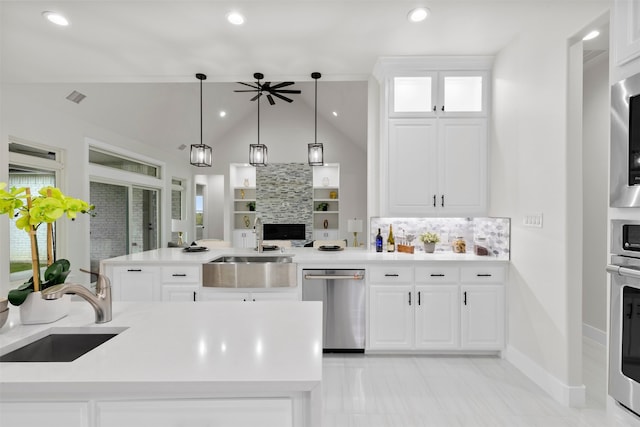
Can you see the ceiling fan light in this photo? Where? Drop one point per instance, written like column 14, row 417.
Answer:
column 316, row 156
column 201, row 155
column 258, row 155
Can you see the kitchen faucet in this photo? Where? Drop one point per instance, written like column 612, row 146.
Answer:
column 257, row 226
column 100, row 301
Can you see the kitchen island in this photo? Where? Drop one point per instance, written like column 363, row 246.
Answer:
column 172, row 364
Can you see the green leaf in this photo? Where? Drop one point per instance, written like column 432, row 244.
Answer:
column 17, row 296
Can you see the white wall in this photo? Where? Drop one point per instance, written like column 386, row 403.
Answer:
column 528, row 173
column 26, row 118
column 595, row 133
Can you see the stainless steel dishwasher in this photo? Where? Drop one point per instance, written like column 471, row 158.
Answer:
column 343, row 295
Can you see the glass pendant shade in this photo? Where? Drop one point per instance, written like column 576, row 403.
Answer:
column 316, row 157
column 257, row 155
column 201, row 155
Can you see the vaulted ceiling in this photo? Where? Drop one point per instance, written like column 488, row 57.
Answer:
column 133, row 56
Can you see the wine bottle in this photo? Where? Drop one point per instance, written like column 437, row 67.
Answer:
column 379, row 242
column 391, row 243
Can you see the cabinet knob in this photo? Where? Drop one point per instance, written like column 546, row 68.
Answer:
column 409, row 297
column 442, row 108
column 434, row 108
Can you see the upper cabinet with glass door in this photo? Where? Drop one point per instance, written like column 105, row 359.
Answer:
column 438, row 94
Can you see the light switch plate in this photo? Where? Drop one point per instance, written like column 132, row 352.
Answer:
column 532, row 220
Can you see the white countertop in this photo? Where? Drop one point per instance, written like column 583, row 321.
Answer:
column 301, row 256
column 170, row 349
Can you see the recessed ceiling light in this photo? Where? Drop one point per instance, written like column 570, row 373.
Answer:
column 592, row 35
column 235, row 18
column 335, row 114
column 56, row 18
column 223, row 113
column 418, row 14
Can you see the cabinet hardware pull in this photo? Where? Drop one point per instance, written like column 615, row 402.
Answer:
column 442, row 201
column 179, row 275
column 194, row 295
column 409, row 298
column 483, row 275
column 465, row 297
column 134, row 269
column 434, row 200
column 437, row 275
column 418, row 297
column 391, row 275
column 434, row 108
column 442, row 108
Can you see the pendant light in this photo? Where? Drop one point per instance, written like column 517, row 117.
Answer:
column 258, row 152
column 201, row 154
column 316, row 157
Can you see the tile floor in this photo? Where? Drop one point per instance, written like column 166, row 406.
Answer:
column 408, row 391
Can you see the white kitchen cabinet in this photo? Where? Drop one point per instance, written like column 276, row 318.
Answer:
column 436, row 307
column 247, row 296
column 325, row 234
column 446, row 93
column 135, row 283
column 176, row 282
column 179, row 292
column 245, row 239
column 390, row 317
column 437, row 166
column 626, row 31
column 276, row 412
column 50, row 414
column 437, row 317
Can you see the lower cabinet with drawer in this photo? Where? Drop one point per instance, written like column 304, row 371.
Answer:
column 148, row 282
column 437, row 308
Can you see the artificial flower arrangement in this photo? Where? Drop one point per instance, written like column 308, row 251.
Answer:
column 429, row 237
column 30, row 213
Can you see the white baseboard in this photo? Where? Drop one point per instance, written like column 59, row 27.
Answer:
column 595, row 334
column 573, row 396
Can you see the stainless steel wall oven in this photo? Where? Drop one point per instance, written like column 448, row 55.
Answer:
column 624, row 329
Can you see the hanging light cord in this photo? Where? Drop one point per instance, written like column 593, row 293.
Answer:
column 316, row 118
column 259, row 94
column 200, row 111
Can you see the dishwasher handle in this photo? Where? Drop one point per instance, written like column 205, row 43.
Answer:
column 334, row 277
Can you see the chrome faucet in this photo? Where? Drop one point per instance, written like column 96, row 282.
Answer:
column 100, row 301
column 257, row 226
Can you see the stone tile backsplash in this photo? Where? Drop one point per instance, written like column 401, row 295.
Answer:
column 496, row 231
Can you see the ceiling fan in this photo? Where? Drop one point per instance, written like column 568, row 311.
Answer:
column 269, row 90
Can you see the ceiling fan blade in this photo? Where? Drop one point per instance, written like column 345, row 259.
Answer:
column 257, row 96
column 282, row 97
column 285, row 91
column 271, row 101
column 283, row 84
column 250, row 85
column 248, row 90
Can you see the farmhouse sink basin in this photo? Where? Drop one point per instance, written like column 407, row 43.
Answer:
column 60, row 345
column 250, row 272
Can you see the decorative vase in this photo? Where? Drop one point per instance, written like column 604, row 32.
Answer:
column 429, row 247
column 246, row 182
column 246, row 220
column 36, row 310
column 325, row 224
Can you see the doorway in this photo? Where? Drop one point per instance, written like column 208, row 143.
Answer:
column 127, row 221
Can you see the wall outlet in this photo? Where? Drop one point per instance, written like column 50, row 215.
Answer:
column 532, row 220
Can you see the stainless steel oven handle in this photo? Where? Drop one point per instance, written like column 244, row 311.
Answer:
column 624, row 271
column 336, row 277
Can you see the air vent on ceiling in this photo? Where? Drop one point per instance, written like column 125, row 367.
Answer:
column 76, row 97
